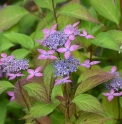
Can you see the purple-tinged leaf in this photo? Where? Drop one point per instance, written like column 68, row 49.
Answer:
column 91, row 118
column 93, row 81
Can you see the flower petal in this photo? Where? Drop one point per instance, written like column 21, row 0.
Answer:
column 113, row 69
column 106, row 94
column 42, row 51
column 4, row 55
column 67, row 31
column 87, row 61
column 50, row 51
column 67, row 81
column 67, row 44
column 66, row 78
column 12, row 99
column 11, row 78
column 112, row 91
column 110, row 97
column 89, row 37
column 94, row 62
column 38, row 69
column 74, row 47
column 57, row 82
column 30, row 71
column 117, row 94
column 84, row 32
column 10, row 93
column 42, row 56
column 71, row 37
column 53, row 27
column 19, row 75
column 75, row 24
column 62, row 50
column 45, row 31
column 30, row 76
column 38, row 74
column 67, row 54
column 52, row 57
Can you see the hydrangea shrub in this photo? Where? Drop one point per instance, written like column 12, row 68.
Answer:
column 61, row 62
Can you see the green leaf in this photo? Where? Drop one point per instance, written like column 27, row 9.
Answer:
column 47, row 3
column 5, row 44
column 111, row 108
column 89, row 73
column 11, row 15
column 5, row 85
column 90, row 118
column 91, row 27
column 44, row 4
column 116, row 34
column 37, row 91
column 41, row 110
column 78, row 11
column 93, row 81
column 56, row 91
column 3, row 112
column 107, row 9
column 20, row 53
column 24, row 40
column 106, row 41
column 48, row 78
column 57, row 118
column 88, row 103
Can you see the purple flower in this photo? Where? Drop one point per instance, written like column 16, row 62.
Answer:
column 39, row 41
column 34, row 73
column 86, row 35
column 113, row 71
column 112, row 94
column 9, row 64
column 56, row 40
column 63, row 80
column 46, row 55
column 48, row 32
column 88, row 64
column 13, row 76
column 11, row 93
column 67, row 49
column 70, row 31
column 65, row 66
column 115, row 83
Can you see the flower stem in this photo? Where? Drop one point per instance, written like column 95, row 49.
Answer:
column 54, row 12
column 67, row 101
column 118, row 109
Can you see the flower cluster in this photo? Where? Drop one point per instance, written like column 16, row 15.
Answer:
column 61, row 42
column 65, row 66
column 115, row 85
column 11, row 66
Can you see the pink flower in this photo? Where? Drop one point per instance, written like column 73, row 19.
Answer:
column 47, row 32
column 13, row 76
column 34, row 73
column 113, row 71
column 10, row 93
column 86, row 35
column 112, row 94
column 46, row 54
column 88, row 64
column 67, row 49
column 69, row 30
column 64, row 80
column 39, row 41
